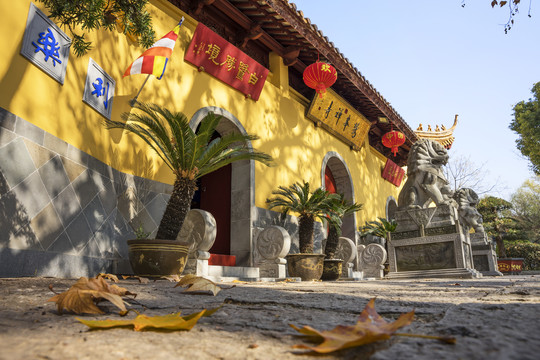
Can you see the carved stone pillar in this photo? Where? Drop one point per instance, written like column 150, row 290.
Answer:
column 272, row 245
column 199, row 229
column 372, row 260
column 346, row 250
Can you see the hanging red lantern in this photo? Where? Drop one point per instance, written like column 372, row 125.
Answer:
column 393, row 140
column 320, row 76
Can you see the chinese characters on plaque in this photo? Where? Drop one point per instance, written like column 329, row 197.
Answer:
column 339, row 118
column 45, row 45
column 218, row 57
column 393, row 172
column 99, row 89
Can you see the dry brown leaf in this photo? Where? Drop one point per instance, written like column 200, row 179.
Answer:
column 371, row 327
column 82, row 297
column 198, row 285
column 142, row 280
column 171, row 278
column 112, row 277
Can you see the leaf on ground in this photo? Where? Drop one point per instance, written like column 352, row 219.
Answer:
column 171, row 278
column 170, row 322
column 142, row 280
column 83, row 296
column 370, row 327
column 198, row 285
column 111, row 277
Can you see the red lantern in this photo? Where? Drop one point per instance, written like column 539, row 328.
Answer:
column 393, row 139
column 320, row 76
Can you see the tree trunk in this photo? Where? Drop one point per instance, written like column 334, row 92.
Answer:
column 305, row 234
column 331, row 243
column 177, row 209
column 501, row 251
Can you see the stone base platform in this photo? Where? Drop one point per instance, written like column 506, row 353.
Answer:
column 223, row 273
column 439, row 273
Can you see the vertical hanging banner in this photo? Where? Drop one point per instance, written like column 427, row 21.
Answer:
column 45, row 45
column 99, row 89
column 393, row 172
column 211, row 53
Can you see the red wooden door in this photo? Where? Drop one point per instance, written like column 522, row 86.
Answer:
column 329, row 182
column 215, row 192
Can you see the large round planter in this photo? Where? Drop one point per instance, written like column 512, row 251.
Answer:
column 332, row 269
column 305, row 266
column 155, row 257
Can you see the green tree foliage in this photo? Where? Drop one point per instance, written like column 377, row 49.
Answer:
column 379, row 228
column 511, row 6
column 188, row 154
column 499, row 221
column 127, row 16
column 526, row 204
column 341, row 207
column 530, row 252
column 527, row 124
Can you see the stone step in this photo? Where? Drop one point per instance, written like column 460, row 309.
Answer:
column 233, row 272
column 438, row 273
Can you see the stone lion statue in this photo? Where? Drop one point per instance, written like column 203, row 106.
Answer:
column 425, row 178
column 467, row 201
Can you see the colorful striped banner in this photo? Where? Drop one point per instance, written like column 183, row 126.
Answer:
column 154, row 60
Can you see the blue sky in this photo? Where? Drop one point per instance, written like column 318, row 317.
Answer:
column 434, row 59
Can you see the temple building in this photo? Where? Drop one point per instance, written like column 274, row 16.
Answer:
column 441, row 134
column 72, row 192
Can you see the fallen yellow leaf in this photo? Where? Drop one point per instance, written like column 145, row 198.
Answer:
column 142, row 322
column 198, row 284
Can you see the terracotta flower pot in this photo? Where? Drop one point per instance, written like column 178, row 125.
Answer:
column 332, row 269
column 155, row 257
column 305, row 266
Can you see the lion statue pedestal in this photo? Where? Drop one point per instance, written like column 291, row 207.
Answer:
column 431, row 239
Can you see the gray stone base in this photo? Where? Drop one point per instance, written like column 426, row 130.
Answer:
column 273, row 270
column 441, row 273
column 196, row 267
column 485, row 262
column 232, row 272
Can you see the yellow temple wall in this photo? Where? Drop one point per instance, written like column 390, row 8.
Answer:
column 278, row 117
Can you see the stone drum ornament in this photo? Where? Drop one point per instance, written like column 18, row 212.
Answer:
column 199, row 230
column 273, row 244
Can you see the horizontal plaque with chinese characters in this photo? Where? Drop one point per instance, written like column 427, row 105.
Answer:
column 393, row 172
column 218, row 57
column 338, row 117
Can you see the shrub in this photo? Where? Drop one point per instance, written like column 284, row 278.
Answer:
column 526, row 250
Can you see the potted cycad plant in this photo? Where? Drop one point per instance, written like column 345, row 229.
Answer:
column 341, row 208
column 190, row 156
column 309, row 206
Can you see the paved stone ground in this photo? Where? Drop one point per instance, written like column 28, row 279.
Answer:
column 492, row 318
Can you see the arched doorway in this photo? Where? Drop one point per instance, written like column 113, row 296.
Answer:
column 228, row 194
column 336, row 178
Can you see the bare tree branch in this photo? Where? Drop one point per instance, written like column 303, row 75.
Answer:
column 461, row 172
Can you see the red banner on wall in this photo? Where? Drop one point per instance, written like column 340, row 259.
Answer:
column 221, row 59
column 393, row 172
